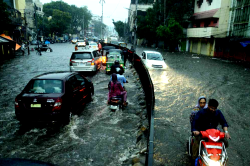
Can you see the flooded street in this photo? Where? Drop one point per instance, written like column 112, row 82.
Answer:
column 176, row 92
column 95, row 137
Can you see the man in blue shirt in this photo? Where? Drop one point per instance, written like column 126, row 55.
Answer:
column 208, row 118
column 121, row 79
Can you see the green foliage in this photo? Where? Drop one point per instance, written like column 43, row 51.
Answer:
column 171, row 34
column 119, row 27
column 66, row 18
column 4, row 15
column 98, row 25
column 146, row 26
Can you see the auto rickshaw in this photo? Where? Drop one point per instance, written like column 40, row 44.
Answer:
column 105, row 52
column 111, row 58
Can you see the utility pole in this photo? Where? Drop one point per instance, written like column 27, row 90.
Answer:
column 36, row 26
column 83, row 27
column 102, row 17
column 135, row 27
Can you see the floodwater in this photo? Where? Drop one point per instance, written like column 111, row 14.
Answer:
column 95, row 137
column 177, row 90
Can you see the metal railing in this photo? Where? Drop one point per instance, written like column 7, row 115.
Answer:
column 148, row 88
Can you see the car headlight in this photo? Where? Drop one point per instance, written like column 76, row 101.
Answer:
column 214, row 163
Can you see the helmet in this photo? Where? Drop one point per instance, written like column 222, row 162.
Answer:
column 116, row 62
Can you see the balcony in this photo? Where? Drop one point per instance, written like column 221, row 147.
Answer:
column 206, row 32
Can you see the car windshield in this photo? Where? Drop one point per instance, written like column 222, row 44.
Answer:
column 44, row 86
column 113, row 57
column 154, row 56
column 82, row 55
column 93, row 44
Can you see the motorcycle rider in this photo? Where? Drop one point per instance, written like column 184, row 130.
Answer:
column 116, row 89
column 116, row 68
column 200, row 105
column 208, row 118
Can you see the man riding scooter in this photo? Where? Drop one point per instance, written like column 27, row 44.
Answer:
column 116, row 68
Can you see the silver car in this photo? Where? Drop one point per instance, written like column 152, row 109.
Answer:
column 85, row 60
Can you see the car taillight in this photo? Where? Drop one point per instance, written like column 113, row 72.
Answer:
column 16, row 104
column 92, row 62
column 71, row 62
column 58, row 104
column 121, row 65
column 104, row 59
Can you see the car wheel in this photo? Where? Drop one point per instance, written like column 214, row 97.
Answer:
column 67, row 118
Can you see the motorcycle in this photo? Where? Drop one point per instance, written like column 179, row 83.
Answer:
column 115, row 103
column 212, row 151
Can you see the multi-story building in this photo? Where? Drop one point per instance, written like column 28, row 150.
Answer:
column 210, row 23
column 237, row 44
column 141, row 10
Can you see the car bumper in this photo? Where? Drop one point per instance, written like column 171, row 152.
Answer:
column 27, row 116
column 89, row 68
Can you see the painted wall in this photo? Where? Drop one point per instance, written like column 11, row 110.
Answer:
column 20, row 5
column 205, row 6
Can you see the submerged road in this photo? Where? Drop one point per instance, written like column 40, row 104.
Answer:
column 95, row 137
column 177, row 90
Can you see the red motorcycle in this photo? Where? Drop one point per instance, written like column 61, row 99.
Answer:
column 212, row 151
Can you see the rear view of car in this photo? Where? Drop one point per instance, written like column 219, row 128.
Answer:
column 41, row 100
column 86, row 60
column 93, row 45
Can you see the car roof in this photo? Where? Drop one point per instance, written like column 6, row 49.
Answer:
column 60, row 75
column 152, row 52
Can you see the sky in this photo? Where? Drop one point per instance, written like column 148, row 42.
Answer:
column 112, row 9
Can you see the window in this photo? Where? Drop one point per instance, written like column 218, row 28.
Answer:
column 44, row 86
column 80, row 80
column 199, row 3
column 82, row 55
column 209, row 2
column 154, row 56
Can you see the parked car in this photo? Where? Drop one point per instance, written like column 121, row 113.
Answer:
column 153, row 60
column 53, row 97
column 44, row 47
column 85, row 60
column 35, row 42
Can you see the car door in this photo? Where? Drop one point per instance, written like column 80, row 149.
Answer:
column 144, row 57
column 83, row 89
column 72, row 92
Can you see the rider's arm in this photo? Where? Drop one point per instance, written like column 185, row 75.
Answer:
column 195, row 121
column 222, row 119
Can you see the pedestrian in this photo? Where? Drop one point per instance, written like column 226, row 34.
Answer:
column 23, row 48
column 76, row 47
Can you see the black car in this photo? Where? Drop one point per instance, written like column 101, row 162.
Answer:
column 53, row 97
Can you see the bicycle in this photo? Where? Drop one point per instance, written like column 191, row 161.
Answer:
column 38, row 52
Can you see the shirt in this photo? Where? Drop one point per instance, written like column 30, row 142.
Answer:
column 120, row 78
column 204, row 119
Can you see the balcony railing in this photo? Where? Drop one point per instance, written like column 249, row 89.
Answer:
column 201, row 32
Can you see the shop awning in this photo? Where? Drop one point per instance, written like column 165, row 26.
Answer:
column 206, row 14
column 9, row 38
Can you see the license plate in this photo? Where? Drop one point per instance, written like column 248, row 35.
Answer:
column 35, row 105
column 113, row 107
column 82, row 64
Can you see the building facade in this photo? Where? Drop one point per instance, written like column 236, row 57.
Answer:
column 210, row 22
column 237, row 44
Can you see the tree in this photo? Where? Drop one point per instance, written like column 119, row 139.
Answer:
column 77, row 16
column 98, row 25
column 171, row 34
column 119, row 27
column 4, row 19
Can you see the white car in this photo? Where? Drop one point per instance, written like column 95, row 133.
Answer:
column 153, row 60
column 93, row 45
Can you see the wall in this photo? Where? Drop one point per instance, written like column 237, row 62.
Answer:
column 205, row 6
column 20, row 5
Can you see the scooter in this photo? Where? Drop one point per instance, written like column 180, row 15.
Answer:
column 115, row 103
column 212, row 152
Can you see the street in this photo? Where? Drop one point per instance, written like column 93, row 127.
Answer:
column 177, row 90
column 95, row 137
